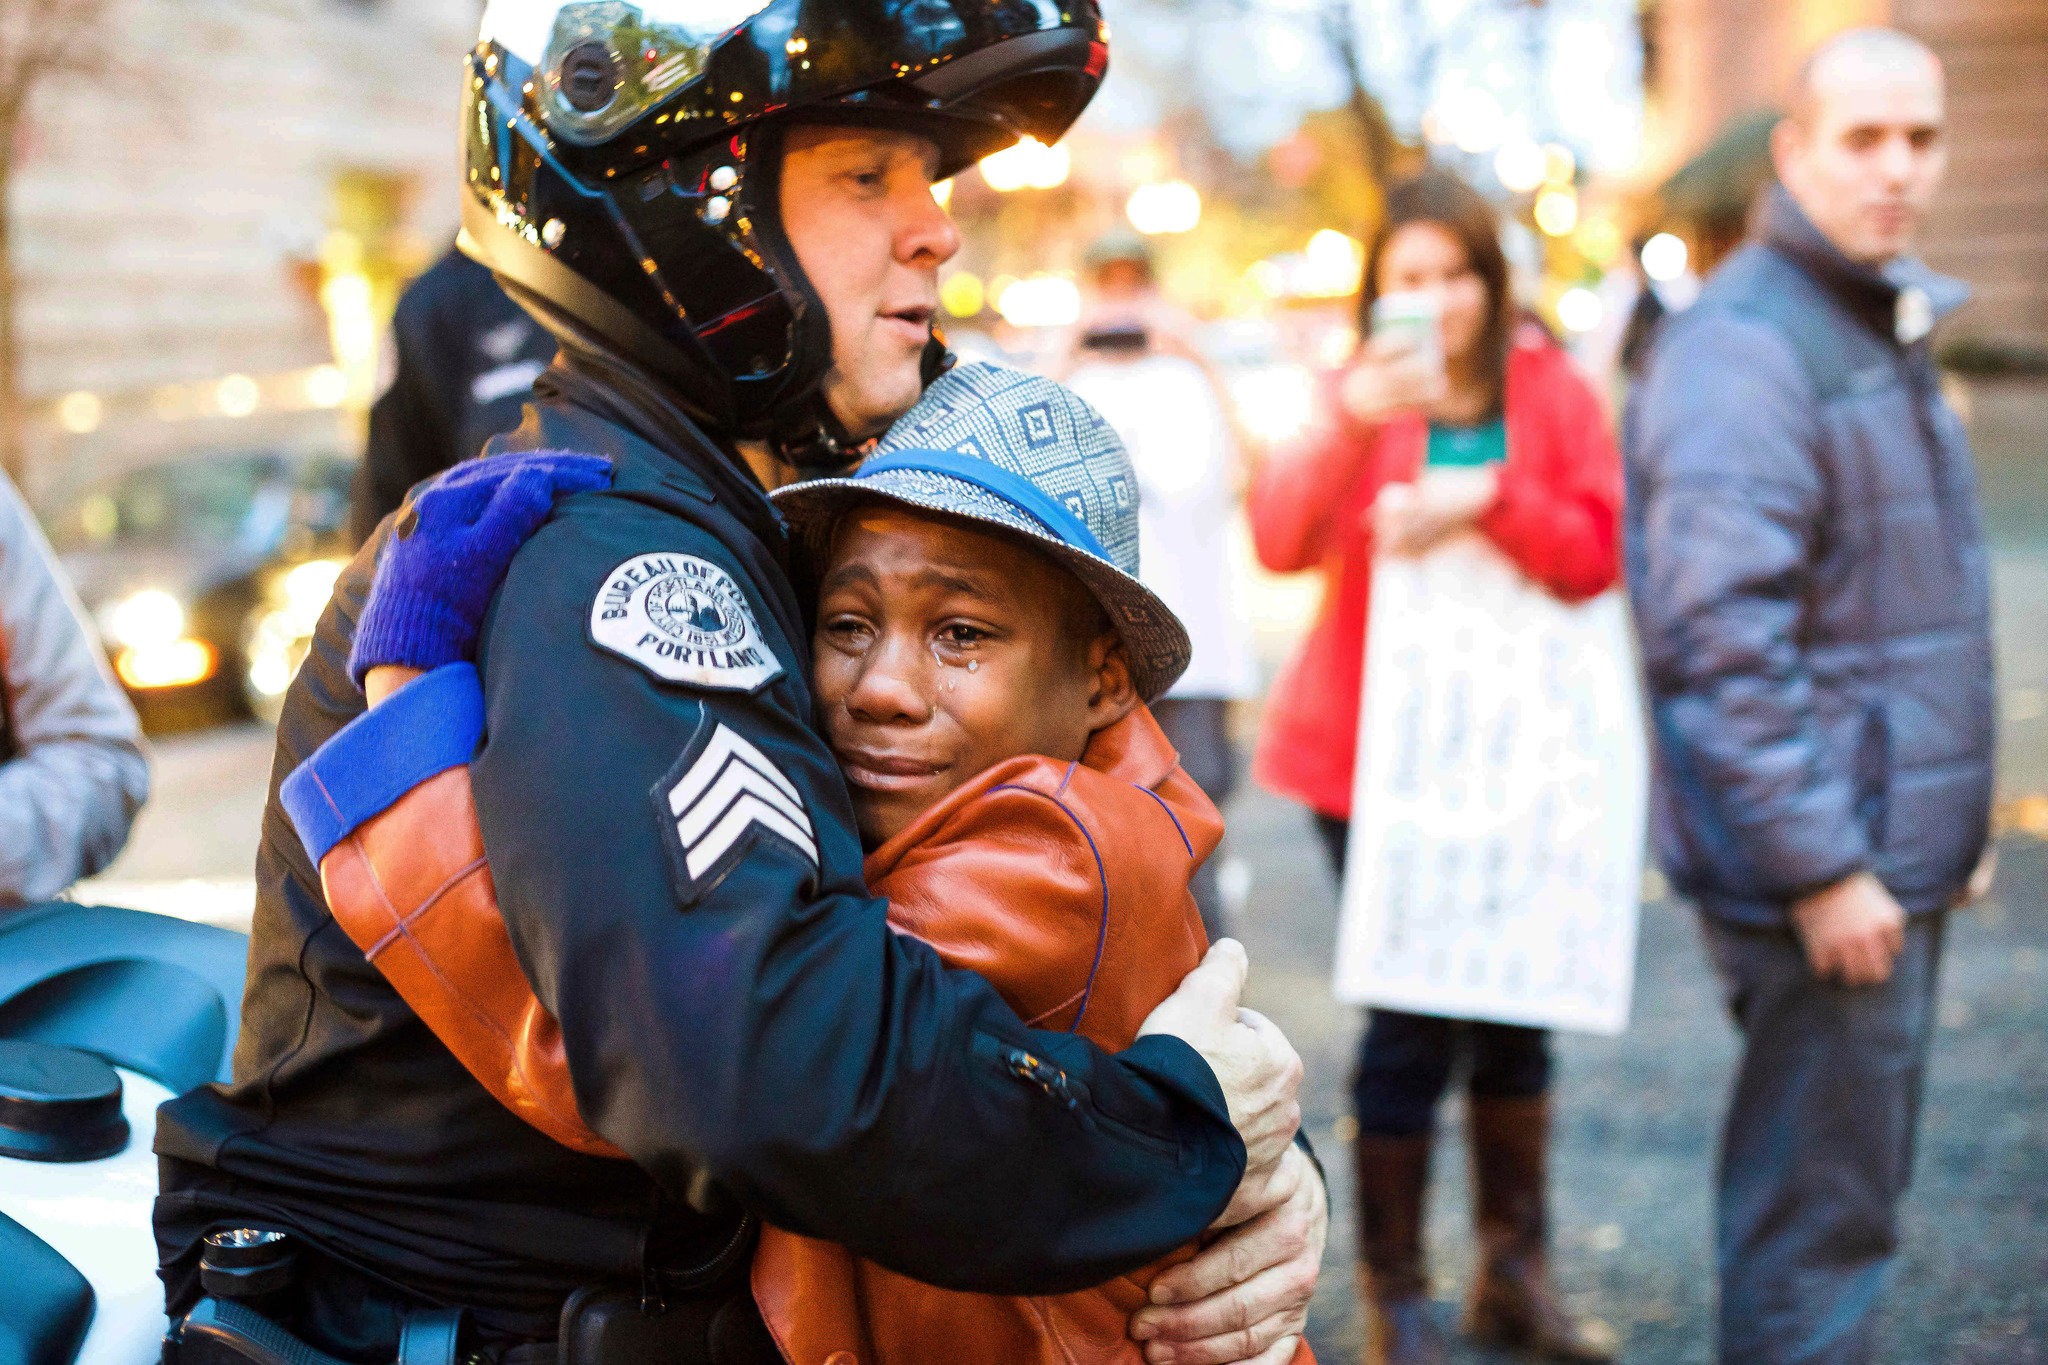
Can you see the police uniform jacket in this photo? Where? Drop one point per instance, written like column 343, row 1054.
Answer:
column 676, row 861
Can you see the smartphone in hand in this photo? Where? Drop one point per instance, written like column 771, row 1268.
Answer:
column 1411, row 322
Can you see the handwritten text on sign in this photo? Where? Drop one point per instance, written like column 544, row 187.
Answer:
column 1497, row 832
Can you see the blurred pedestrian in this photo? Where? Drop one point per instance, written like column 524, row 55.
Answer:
column 464, row 360
column 1174, row 419
column 72, row 770
column 1810, row 582
column 1495, row 431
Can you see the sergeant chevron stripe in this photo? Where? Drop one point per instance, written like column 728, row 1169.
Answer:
column 729, row 789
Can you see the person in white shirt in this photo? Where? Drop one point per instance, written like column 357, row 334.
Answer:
column 1134, row 363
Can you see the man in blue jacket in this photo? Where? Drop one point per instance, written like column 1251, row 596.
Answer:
column 1810, row 581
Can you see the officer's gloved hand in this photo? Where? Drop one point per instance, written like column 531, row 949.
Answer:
column 454, row 542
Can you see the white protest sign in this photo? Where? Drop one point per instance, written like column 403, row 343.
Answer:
column 1496, row 844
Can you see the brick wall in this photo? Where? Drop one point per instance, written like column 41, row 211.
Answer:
column 162, row 208
column 1990, row 225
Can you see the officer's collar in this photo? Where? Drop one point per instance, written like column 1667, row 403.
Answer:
column 620, row 392
column 1902, row 299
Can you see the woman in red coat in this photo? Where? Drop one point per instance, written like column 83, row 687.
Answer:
column 1538, row 473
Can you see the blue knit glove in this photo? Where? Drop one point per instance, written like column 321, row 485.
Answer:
column 452, row 547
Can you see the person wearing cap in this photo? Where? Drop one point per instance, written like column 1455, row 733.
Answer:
column 983, row 656
column 1030, row 819
column 736, row 247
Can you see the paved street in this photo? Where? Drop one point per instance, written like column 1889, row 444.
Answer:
column 1638, row 1114
column 1638, row 1119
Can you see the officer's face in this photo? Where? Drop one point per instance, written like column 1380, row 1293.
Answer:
column 943, row 650
column 857, row 205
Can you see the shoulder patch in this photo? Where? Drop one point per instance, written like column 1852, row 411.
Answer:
column 684, row 620
column 722, row 797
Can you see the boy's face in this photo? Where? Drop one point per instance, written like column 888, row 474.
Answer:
column 942, row 650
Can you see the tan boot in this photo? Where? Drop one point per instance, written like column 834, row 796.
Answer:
column 1512, row 1303
column 1393, row 1179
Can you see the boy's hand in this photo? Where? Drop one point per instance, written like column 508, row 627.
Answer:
column 1245, row 1296
column 455, row 540
column 1257, row 1068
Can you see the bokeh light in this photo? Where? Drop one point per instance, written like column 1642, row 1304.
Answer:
column 1664, row 257
column 1171, row 206
column 237, row 395
column 79, row 413
column 1041, row 301
column 1557, row 212
column 1029, row 164
column 326, row 386
column 1519, row 165
column 962, row 294
column 1580, row 309
column 1331, row 266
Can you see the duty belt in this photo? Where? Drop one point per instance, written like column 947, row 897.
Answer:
column 698, row 1317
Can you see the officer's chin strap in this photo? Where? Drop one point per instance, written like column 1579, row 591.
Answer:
column 817, row 445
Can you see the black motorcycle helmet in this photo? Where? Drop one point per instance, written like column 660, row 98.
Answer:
column 623, row 159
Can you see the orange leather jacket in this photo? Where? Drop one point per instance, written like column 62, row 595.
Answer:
column 1101, row 853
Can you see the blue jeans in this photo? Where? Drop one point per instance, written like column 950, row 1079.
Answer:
column 1405, row 1060
column 1818, row 1145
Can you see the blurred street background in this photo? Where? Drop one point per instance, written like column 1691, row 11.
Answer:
column 209, row 220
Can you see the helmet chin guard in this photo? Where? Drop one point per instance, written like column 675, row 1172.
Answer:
column 624, row 158
column 816, row 443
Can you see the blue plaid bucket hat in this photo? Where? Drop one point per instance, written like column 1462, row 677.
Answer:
column 1019, row 452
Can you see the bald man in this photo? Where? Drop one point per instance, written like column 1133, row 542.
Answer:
column 1809, row 577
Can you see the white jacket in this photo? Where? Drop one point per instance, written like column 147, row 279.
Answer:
column 72, row 769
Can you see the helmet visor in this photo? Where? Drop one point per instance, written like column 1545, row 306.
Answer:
column 524, row 27
column 601, row 66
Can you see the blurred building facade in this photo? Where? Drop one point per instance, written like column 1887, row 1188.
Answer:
column 1716, row 60
column 209, row 231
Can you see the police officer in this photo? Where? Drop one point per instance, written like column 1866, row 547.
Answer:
column 725, row 219
column 464, row 358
